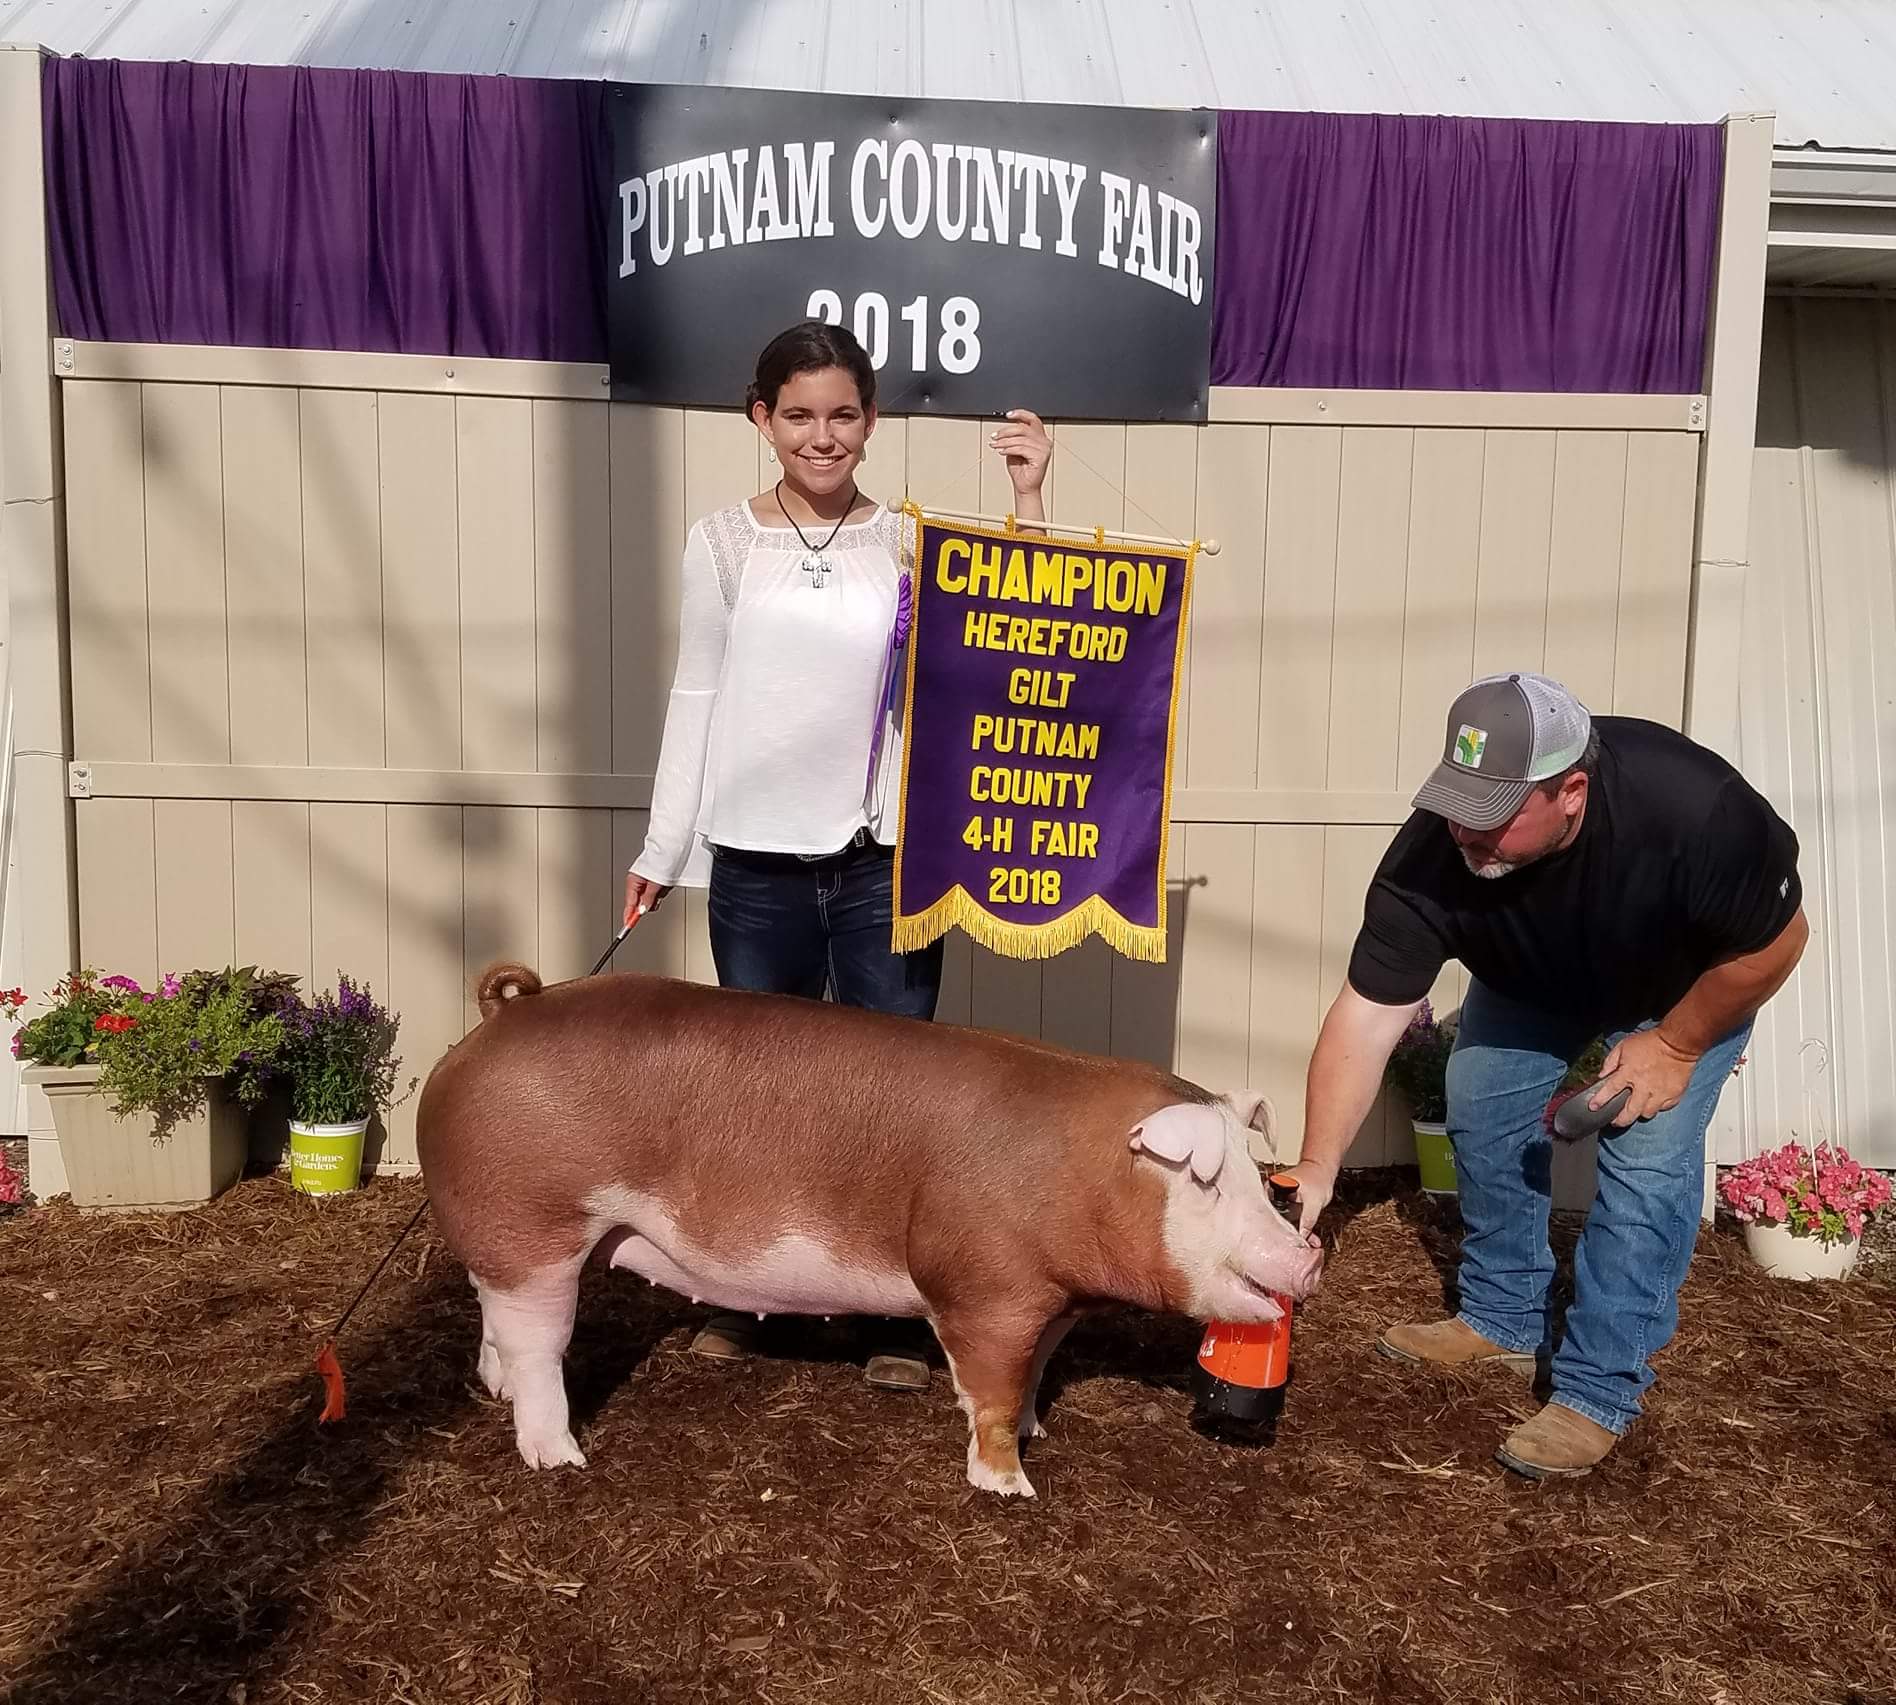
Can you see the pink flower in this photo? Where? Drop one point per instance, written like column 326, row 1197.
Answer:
column 1806, row 1189
column 170, row 986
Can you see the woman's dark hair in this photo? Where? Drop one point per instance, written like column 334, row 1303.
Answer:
column 808, row 347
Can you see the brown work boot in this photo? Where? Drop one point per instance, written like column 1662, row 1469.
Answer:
column 728, row 1337
column 1558, row 1441
column 1450, row 1343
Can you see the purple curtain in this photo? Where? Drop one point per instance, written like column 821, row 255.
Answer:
column 380, row 210
column 1463, row 254
column 287, row 207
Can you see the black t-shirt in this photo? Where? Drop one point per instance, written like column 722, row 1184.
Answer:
column 1679, row 863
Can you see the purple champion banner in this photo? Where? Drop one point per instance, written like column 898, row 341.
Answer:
column 1043, row 681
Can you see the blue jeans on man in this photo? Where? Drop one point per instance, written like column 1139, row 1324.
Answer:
column 1640, row 1230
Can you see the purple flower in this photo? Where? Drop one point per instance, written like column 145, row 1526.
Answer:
column 904, row 610
column 170, row 986
column 16, row 1047
column 195, row 1044
column 124, row 983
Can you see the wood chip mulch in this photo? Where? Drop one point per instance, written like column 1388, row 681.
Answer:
column 177, row 1526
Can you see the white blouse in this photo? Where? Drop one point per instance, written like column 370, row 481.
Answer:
column 778, row 689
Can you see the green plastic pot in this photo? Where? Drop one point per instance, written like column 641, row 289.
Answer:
column 1435, row 1155
column 326, row 1160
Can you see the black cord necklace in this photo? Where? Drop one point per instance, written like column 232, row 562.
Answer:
column 815, row 561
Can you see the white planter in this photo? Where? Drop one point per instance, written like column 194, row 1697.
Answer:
column 118, row 1163
column 1785, row 1255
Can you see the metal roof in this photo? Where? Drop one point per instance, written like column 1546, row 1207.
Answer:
column 1824, row 66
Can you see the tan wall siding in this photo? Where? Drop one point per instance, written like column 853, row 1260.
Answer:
column 459, row 595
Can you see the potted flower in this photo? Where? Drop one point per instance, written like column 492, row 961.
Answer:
column 58, row 1048
column 338, row 1058
column 149, row 1088
column 1804, row 1209
column 65, row 1033
column 1418, row 1072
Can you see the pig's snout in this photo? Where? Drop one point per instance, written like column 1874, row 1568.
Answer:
column 1290, row 1265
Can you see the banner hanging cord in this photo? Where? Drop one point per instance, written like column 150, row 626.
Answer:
column 1065, row 449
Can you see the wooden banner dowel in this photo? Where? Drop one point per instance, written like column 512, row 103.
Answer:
column 1010, row 524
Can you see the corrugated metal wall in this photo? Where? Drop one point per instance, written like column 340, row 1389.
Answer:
column 1819, row 714
column 1823, row 70
column 359, row 669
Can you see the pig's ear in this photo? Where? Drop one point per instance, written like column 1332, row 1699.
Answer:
column 1187, row 1133
column 1255, row 1112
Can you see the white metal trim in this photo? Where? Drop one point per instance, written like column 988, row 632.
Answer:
column 95, row 779
column 1502, row 410
column 329, row 369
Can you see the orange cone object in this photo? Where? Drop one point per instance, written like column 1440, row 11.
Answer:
column 1242, row 1369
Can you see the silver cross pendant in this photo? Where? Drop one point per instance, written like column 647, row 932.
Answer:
column 817, row 567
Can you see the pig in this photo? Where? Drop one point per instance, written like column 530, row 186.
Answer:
column 781, row 1155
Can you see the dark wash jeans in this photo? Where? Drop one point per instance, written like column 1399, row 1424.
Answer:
column 1640, row 1230
column 785, row 925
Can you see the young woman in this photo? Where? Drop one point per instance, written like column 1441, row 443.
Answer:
column 780, row 770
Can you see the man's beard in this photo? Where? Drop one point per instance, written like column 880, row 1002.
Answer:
column 1490, row 868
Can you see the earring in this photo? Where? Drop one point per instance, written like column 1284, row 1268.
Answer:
column 772, row 452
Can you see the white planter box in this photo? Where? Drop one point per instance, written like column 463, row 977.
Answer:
column 115, row 1163
column 1784, row 1255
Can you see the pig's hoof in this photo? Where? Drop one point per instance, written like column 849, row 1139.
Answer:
column 1030, row 1427
column 1010, row 1483
column 552, row 1450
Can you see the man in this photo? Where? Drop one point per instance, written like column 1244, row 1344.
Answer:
column 1595, row 876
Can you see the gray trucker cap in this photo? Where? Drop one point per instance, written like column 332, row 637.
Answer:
column 1505, row 733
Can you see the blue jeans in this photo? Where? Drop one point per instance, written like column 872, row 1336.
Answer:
column 1641, row 1228
column 785, row 925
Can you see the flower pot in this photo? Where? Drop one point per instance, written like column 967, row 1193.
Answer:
column 116, row 1163
column 1435, row 1155
column 1785, row 1254
column 326, row 1160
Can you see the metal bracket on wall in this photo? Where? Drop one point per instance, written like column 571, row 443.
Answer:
column 78, row 781
column 62, row 355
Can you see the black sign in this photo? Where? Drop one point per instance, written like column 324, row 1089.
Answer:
column 988, row 255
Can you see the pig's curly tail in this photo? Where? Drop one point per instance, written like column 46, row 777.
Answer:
column 505, row 982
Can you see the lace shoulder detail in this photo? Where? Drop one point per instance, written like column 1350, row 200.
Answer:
column 729, row 533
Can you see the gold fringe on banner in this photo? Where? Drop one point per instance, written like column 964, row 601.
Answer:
column 1093, row 916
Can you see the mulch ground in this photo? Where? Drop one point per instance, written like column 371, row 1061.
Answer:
column 177, row 1526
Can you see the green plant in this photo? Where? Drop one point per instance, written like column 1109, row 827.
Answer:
column 161, row 1053
column 338, row 1055
column 67, row 1032
column 1418, row 1065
